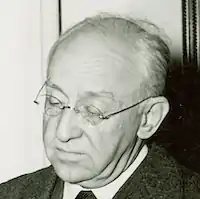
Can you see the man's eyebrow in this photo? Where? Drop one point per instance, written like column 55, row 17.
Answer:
column 103, row 93
column 54, row 86
column 99, row 94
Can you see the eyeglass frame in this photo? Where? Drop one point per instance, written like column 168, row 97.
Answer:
column 101, row 116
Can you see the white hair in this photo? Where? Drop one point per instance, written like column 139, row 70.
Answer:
column 142, row 37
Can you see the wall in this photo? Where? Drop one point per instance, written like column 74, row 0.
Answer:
column 164, row 13
column 21, row 148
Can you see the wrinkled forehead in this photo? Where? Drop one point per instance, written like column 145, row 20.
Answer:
column 91, row 63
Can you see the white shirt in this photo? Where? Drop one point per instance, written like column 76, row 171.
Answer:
column 108, row 191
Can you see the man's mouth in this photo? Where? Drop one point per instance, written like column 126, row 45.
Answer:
column 68, row 155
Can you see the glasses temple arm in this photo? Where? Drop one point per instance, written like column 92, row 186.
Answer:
column 35, row 101
column 111, row 114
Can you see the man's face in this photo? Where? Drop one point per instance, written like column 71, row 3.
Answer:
column 90, row 75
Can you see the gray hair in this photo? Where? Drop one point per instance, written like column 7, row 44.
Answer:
column 150, row 46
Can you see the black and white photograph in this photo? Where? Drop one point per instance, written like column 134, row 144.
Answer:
column 100, row 99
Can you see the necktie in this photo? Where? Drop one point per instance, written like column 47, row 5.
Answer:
column 85, row 195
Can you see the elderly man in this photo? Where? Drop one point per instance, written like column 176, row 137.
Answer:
column 103, row 99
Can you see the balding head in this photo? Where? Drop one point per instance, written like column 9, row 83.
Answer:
column 137, row 42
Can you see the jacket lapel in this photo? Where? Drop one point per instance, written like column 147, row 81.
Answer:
column 157, row 177
column 46, row 185
column 58, row 189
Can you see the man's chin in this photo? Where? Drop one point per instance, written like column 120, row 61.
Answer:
column 72, row 173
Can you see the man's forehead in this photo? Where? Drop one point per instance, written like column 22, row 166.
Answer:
column 94, row 57
column 87, row 60
column 96, row 45
column 119, row 95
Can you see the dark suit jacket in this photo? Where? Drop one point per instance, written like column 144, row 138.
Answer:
column 158, row 177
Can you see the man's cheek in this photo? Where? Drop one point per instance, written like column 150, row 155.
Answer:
column 49, row 129
column 45, row 122
column 50, row 122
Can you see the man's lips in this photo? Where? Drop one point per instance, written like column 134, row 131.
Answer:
column 66, row 156
column 61, row 150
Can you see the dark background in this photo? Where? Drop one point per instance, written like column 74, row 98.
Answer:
column 179, row 134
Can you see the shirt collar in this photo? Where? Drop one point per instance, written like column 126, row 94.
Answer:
column 108, row 191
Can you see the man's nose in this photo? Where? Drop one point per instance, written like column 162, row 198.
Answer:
column 67, row 126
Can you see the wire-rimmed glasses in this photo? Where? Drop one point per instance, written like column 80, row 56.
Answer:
column 89, row 113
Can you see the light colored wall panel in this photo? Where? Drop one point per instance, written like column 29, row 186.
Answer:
column 21, row 148
column 49, row 29
column 164, row 13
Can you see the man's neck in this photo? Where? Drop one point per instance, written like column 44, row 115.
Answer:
column 108, row 191
column 117, row 166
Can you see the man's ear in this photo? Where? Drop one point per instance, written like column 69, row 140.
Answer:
column 154, row 112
